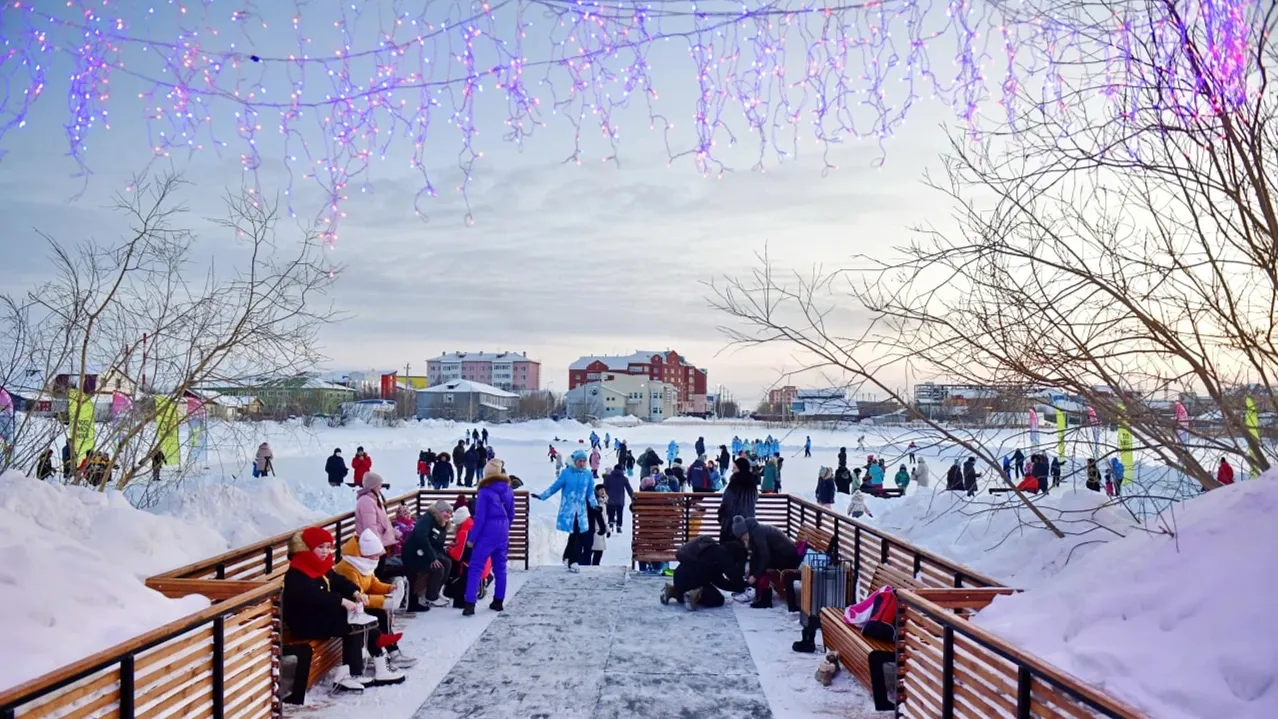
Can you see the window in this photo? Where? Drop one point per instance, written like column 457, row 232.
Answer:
column 448, row 398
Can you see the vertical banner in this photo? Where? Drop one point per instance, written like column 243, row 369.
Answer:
column 197, row 437
column 6, row 424
column 1252, row 420
column 120, row 405
column 1125, row 444
column 166, row 427
column 1094, row 421
column 80, row 416
column 1061, row 423
column 1182, row 424
column 1033, row 427
column 388, row 385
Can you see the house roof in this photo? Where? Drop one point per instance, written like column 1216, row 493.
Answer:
column 618, row 362
column 480, row 357
column 465, row 385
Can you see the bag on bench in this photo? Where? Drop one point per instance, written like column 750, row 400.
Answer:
column 875, row 615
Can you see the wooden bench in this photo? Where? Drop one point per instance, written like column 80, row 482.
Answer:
column 854, row 648
column 325, row 655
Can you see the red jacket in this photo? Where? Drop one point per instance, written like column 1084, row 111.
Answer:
column 361, row 465
column 1225, row 475
column 459, row 545
column 422, row 468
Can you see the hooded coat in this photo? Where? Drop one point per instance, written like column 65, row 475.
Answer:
column 769, row 548
column 954, row 477
column 579, row 491
column 370, row 512
column 335, row 468
column 361, row 465
column 494, row 511
column 441, row 474
column 739, row 498
column 921, row 473
column 843, row 479
column 376, row 589
column 700, row 446
column 265, row 459
column 618, row 487
column 713, row 564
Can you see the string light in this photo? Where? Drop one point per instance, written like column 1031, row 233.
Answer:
column 763, row 73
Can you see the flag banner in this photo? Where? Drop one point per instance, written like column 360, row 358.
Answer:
column 1033, row 427
column 197, row 438
column 1094, row 421
column 1125, row 444
column 120, row 405
column 80, row 415
column 1061, row 421
column 6, row 421
column 166, row 427
column 1182, row 423
column 1252, row 419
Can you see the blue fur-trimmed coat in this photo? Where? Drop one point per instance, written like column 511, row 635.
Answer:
column 578, row 486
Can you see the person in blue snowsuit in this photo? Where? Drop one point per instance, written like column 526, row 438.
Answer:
column 578, row 487
column 594, row 439
column 672, row 451
column 807, row 448
column 736, row 445
column 607, row 440
column 1117, row 468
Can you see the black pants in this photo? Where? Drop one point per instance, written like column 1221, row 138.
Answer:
column 430, row 580
column 580, row 543
column 301, row 673
column 614, row 514
column 696, row 575
column 596, row 558
column 470, row 476
column 352, row 649
column 383, row 622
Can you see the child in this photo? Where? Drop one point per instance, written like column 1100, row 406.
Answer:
column 598, row 525
column 902, row 478
column 649, row 484
column 423, row 469
column 825, row 488
column 359, row 560
column 857, row 506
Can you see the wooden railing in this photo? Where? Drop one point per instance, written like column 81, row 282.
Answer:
column 268, row 558
column 219, row 662
column 950, row 668
column 663, row 521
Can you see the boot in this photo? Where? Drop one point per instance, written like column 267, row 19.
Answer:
column 667, row 593
column 791, row 596
column 344, row 682
column 763, row 599
column 399, row 659
column 693, row 597
column 383, row 675
column 807, row 644
column 468, row 610
column 496, row 605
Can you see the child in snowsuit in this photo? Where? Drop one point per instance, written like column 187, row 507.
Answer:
column 598, row 525
column 857, row 506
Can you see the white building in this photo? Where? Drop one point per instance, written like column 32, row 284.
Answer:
column 616, row 395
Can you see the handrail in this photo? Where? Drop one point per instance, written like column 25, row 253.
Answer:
column 1029, row 666
column 11, row 699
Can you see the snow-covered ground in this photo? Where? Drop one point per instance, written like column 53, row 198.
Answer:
column 86, row 549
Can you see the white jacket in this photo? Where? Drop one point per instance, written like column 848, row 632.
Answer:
column 857, row 503
column 920, row 473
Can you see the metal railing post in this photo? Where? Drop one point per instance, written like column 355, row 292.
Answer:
column 947, row 673
column 337, row 546
column 958, row 579
column 789, row 524
column 918, row 564
column 884, row 546
column 687, row 518
column 219, row 666
column 220, row 571
column 126, row 687
column 1024, row 685
column 269, row 564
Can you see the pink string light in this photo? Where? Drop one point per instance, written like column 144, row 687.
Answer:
column 764, row 73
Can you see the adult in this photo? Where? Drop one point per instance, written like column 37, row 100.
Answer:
column 970, row 475
column 699, row 476
column 470, row 460
column 647, row 461
column 1056, row 471
column 1225, row 472
column 725, row 459
column 441, row 475
column 1041, row 471
column 361, row 555
column 361, row 463
column 458, row 453
column 807, row 447
column 739, row 498
column 489, row 538
column 769, row 549
column 954, row 477
column 483, row 436
column 700, row 446
column 617, row 484
column 426, row 557
column 370, row 511
column 1018, row 461
column 578, row 491
column 825, row 487
column 1093, row 475
column 1119, row 470
column 920, row 473
column 316, row 602
column 706, row 566
column 843, row 480
column 265, row 460
column 335, row 468
column 873, row 478
column 770, row 476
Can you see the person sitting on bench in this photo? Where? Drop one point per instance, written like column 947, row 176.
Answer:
column 360, row 556
column 316, row 605
column 705, row 567
column 769, row 549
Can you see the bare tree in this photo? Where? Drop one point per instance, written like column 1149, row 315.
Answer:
column 158, row 312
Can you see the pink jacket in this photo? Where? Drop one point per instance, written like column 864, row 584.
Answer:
column 594, row 459
column 369, row 514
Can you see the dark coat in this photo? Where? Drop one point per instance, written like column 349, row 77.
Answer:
column 969, row 475
column 471, row 458
column 739, row 498
column 336, row 469
column 647, row 461
column 725, row 460
column 700, row 446
column 426, row 544
column 770, row 549
column 843, row 479
column 954, row 478
column 441, row 473
column 713, row 564
column 825, row 491
column 699, row 476
column 458, row 452
column 312, row 608
column 618, row 487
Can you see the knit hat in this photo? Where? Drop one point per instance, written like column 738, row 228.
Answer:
column 579, row 455
column 373, row 481
column 494, row 467
column 312, row 537
column 461, row 514
column 441, row 507
column 739, row 526
column 370, row 545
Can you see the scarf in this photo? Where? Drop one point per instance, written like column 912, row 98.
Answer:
column 310, row 564
column 363, row 565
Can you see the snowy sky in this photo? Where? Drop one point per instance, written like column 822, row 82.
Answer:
column 562, row 260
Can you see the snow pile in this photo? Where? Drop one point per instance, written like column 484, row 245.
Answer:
column 997, row 535
column 71, row 565
column 246, row 511
column 1182, row 628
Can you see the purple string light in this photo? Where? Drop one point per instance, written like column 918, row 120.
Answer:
column 764, row 73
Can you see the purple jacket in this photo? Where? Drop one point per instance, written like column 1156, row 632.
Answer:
column 494, row 511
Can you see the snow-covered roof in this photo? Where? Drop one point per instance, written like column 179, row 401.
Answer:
column 465, row 385
column 480, row 357
column 618, row 362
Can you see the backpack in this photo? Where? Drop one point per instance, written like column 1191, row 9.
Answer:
column 875, row 615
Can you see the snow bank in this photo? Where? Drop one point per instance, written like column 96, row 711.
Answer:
column 247, row 511
column 1001, row 537
column 1182, row 628
column 71, row 567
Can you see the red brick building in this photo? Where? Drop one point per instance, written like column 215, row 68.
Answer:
column 668, row 367
column 782, row 396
